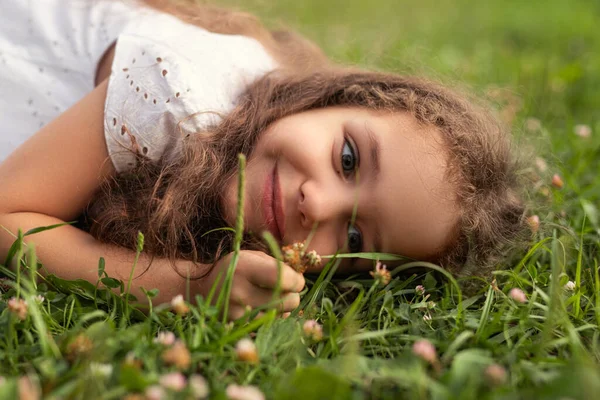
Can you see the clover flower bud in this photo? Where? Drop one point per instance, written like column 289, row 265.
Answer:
column 517, row 295
column 165, row 338
column 557, row 181
column 18, row 307
column 570, row 286
column 237, row 392
column 313, row 259
column 199, row 386
column 313, row 330
column 534, row 223
column 427, row 317
column 583, row 131
column 381, row 275
column 425, row 350
column 155, row 392
column 132, row 360
column 39, row 299
column 174, row 381
column 420, row 290
column 496, row 374
column 295, row 256
column 245, row 350
column 178, row 304
column 81, row 346
column 100, row 371
column 178, row 355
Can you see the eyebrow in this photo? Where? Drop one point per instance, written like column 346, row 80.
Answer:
column 374, row 152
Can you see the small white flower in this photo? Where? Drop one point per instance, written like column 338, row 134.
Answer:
column 237, row 392
column 100, row 370
column 426, row 350
column 583, row 131
column 426, row 317
column 245, row 350
column 178, row 304
column 313, row 330
column 570, row 286
column 174, row 381
column 155, row 392
column 534, row 223
column 166, row 338
column 517, row 295
column 496, row 374
column 39, row 299
column 420, row 290
column 199, row 386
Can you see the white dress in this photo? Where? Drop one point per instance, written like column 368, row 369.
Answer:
column 168, row 78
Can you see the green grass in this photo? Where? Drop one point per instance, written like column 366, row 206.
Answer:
column 533, row 59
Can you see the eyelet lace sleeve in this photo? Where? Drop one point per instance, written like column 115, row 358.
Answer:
column 167, row 85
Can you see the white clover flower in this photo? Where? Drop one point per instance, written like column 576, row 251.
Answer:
column 100, row 370
column 174, row 381
column 496, row 374
column 178, row 304
column 245, row 350
column 155, row 392
column 517, row 295
column 237, row 392
column 381, row 275
column 420, row 290
column 166, row 338
column 583, row 131
column 313, row 330
column 426, row 350
column 199, row 386
column 534, row 223
column 570, row 286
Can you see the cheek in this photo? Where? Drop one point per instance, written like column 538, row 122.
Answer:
column 324, row 243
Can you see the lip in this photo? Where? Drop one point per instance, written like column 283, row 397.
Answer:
column 272, row 205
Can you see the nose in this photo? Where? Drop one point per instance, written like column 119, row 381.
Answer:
column 323, row 203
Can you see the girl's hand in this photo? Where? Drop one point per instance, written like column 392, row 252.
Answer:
column 254, row 281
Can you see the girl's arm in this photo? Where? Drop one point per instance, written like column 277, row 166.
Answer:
column 50, row 179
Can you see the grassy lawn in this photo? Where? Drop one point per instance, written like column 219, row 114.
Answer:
column 538, row 62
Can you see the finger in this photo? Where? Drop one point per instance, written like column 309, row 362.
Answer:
column 238, row 312
column 250, row 295
column 265, row 272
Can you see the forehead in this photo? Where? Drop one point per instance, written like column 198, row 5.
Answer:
column 411, row 201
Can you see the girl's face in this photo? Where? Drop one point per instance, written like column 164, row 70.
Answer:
column 315, row 170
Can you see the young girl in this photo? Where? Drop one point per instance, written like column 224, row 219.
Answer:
column 141, row 109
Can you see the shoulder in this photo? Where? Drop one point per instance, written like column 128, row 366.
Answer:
column 171, row 82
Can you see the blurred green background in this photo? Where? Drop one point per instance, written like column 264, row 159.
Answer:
column 546, row 52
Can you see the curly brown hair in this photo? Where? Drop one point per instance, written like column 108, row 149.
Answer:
column 176, row 203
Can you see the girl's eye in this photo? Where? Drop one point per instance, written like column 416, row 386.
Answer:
column 349, row 158
column 354, row 240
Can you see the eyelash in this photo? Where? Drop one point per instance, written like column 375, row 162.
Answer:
column 356, row 162
column 353, row 153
